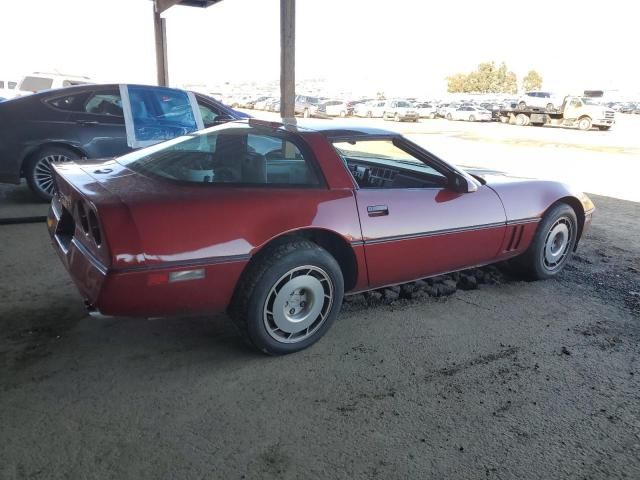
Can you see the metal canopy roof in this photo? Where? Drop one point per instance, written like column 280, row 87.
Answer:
column 163, row 5
column 287, row 46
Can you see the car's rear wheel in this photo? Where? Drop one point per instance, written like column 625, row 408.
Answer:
column 472, row 118
column 369, row 115
column 343, row 113
column 449, row 116
column 289, row 298
column 38, row 172
column 552, row 244
column 397, row 118
column 305, row 113
column 521, row 106
column 550, row 107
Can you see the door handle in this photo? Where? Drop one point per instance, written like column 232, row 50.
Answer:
column 377, row 210
column 86, row 123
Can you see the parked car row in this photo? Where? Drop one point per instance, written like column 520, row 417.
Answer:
column 625, row 107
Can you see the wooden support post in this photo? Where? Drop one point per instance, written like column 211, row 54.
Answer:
column 287, row 59
column 160, row 30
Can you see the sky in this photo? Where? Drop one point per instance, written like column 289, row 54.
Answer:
column 399, row 46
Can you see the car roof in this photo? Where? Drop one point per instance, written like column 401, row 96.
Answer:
column 329, row 128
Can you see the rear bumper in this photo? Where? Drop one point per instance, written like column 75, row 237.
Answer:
column 146, row 290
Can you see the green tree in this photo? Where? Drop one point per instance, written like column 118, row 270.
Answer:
column 456, row 83
column 532, row 81
column 487, row 78
column 510, row 84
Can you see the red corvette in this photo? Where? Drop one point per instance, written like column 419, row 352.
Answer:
column 274, row 223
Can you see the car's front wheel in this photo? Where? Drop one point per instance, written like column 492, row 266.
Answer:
column 584, row 123
column 552, row 244
column 38, row 172
column 287, row 300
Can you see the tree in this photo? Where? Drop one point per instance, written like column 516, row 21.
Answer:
column 487, row 78
column 456, row 83
column 532, row 81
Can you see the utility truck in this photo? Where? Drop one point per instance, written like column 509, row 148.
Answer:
column 582, row 112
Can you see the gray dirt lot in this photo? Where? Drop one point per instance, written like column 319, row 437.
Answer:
column 515, row 380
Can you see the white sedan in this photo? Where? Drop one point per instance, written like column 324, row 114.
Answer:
column 334, row 108
column 470, row 113
column 372, row 109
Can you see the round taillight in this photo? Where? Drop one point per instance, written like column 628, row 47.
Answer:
column 82, row 216
column 95, row 228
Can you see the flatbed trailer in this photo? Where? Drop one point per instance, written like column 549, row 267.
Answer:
column 575, row 112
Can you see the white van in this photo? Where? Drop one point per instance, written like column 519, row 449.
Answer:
column 39, row 81
column 7, row 89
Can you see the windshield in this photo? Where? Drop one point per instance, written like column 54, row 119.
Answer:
column 591, row 101
column 380, row 151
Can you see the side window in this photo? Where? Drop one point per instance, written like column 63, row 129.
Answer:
column 284, row 162
column 69, row 103
column 231, row 156
column 12, row 85
column 209, row 114
column 1, row 83
column 105, row 103
column 383, row 164
column 158, row 114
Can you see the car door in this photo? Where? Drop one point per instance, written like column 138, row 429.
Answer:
column 415, row 228
column 99, row 124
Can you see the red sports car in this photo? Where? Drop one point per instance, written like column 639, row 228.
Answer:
column 274, row 223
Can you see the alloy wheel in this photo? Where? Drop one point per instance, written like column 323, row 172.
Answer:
column 557, row 243
column 42, row 173
column 298, row 304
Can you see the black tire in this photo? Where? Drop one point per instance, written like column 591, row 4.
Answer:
column 449, row 116
column 35, row 168
column 534, row 263
column 584, row 123
column 604, row 128
column 472, row 118
column 254, row 291
column 521, row 106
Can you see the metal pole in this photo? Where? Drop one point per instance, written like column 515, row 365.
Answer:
column 160, row 30
column 287, row 59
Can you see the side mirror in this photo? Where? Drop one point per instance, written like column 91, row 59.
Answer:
column 462, row 184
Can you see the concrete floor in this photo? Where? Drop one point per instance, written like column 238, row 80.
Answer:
column 526, row 380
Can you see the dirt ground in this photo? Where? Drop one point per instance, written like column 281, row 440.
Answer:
column 514, row 379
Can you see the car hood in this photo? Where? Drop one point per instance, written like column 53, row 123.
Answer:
column 527, row 198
